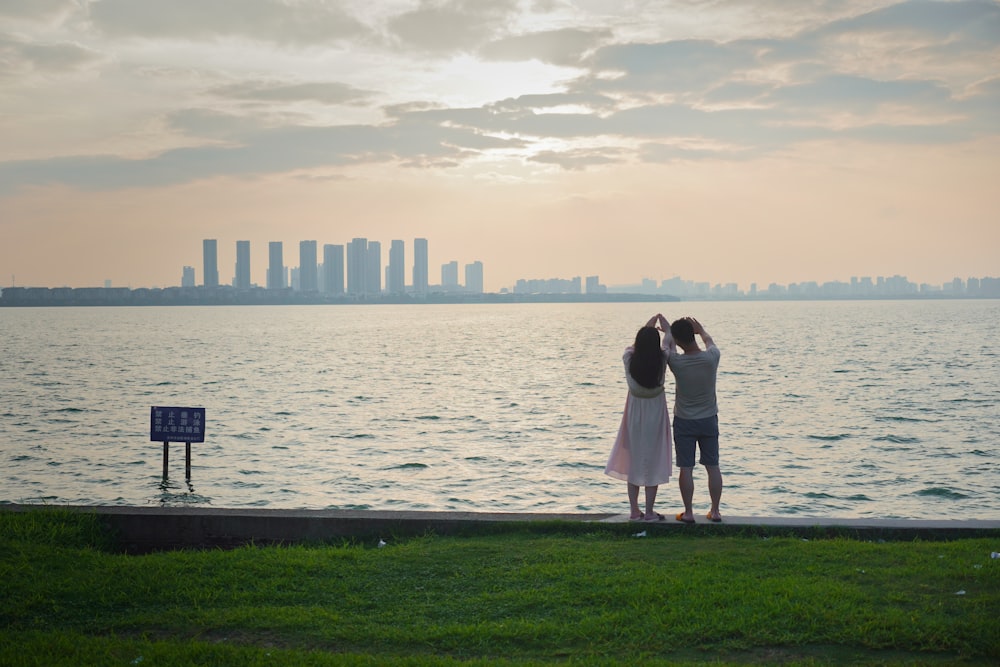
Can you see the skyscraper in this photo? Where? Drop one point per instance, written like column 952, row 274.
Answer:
column 333, row 269
column 396, row 280
column 187, row 277
column 594, row 285
column 373, row 275
column 474, row 277
column 242, row 265
column 420, row 266
column 357, row 262
column 308, row 272
column 210, row 272
column 449, row 276
column 275, row 266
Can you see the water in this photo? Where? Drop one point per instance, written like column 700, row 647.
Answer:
column 827, row 409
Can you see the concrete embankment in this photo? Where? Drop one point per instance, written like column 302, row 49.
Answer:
column 145, row 529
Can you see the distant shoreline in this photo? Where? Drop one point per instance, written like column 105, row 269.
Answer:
column 227, row 296
column 34, row 297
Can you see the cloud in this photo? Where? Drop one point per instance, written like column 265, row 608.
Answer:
column 529, row 103
column 977, row 21
column 18, row 56
column 329, row 92
column 250, row 151
column 581, row 158
column 660, row 153
column 209, row 123
column 737, row 92
column 858, row 94
column 35, row 10
column 650, row 100
column 281, row 150
column 674, row 66
column 564, row 47
column 299, row 23
column 452, row 25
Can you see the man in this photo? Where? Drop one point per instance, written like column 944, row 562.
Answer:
column 696, row 411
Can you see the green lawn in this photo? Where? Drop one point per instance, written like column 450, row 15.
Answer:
column 511, row 597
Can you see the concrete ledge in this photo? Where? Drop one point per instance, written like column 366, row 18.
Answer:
column 145, row 529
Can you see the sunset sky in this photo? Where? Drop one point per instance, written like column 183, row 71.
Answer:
column 716, row 140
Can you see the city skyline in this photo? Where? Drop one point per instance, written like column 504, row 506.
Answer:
column 738, row 142
column 354, row 267
column 419, row 265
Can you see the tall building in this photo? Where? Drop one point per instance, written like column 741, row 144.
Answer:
column 449, row 276
column 242, row 280
column 308, row 271
column 474, row 277
column 275, row 266
column 373, row 276
column 187, row 277
column 396, row 277
column 420, row 266
column 210, row 272
column 333, row 270
column 594, row 285
column 357, row 262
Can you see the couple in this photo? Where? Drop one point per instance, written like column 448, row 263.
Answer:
column 641, row 453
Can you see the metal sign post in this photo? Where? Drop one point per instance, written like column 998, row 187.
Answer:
column 185, row 425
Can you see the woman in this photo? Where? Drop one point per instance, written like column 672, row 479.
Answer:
column 641, row 453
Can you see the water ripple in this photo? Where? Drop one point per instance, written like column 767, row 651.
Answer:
column 319, row 413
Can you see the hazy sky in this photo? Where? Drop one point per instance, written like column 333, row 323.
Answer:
column 717, row 140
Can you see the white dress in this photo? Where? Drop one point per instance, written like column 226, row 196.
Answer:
column 642, row 451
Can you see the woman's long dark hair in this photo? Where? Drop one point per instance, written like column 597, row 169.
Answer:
column 646, row 365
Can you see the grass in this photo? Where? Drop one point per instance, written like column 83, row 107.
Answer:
column 511, row 598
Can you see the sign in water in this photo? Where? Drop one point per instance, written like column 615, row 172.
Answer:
column 177, row 424
column 185, row 425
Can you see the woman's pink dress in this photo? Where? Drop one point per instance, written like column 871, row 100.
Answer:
column 641, row 454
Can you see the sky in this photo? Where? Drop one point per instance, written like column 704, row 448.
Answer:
column 721, row 141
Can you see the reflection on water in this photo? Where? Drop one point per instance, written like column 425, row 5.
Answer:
column 173, row 493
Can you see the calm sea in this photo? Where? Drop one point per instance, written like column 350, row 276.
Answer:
column 827, row 409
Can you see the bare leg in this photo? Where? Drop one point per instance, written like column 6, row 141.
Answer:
column 650, row 501
column 633, row 501
column 714, row 490
column 686, row 483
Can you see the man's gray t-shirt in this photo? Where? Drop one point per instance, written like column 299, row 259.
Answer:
column 694, row 380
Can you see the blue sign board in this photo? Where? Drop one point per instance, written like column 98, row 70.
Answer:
column 177, row 424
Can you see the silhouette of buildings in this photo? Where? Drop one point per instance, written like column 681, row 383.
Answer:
column 373, row 269
column 275, row 266
column 449, row 276
column 241, row 279
column 357, row 266
column 594, row 286
column 474, row 277
column 333, row 270
column 548, row 286
column 353, row 273
column 210, row 254
column 420, row 275
column 395, row 277
column 308, row 269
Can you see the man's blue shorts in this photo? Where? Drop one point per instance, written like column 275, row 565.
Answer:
column 704, row 433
